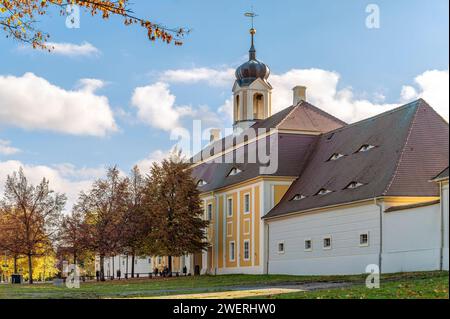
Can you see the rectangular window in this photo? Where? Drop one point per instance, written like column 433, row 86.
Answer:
column 209, row 212
column 364, row 239
column 281, row 248
column 246, row 250
column 230, row 207
column 308, row 245
column 247, row 203
column 327, row 242
column 232, row 251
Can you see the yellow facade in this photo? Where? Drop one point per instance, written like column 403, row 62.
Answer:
column 239, row 228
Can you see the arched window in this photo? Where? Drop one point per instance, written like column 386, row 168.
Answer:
column 237, row 109
column 258, row 106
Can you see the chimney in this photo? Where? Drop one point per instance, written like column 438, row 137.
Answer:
column 215, row 134
column 299, row 94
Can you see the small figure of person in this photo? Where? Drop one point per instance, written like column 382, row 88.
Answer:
column 185, row 271
column 119, row 274
column 97, row 275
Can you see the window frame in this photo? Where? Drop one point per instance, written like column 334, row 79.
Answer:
column 246, row 212
column 230, row 206
column 329, row 237
column 232, row 256
column 310, row 245
column 247, row 241
column 335, row 157
column 209, row 214
column 367, row 244
column 298, row 197
column 365, row 148
column 327, row 191
column 281, row 252
column 358, row 185
column 201, row 183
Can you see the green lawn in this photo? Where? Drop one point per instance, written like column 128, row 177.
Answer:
column 422, row 287
column 432, row 283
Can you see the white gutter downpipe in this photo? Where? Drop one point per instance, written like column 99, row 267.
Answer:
column 380, row 257
column 441, row 261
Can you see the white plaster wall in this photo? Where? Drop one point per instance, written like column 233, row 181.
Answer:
column 346, row 255
column 444, row 203
column 142, row 266
column 411, row 240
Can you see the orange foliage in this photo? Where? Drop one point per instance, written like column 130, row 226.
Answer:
column 18, row 19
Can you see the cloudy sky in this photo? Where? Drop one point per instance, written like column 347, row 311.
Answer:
column 107, row 96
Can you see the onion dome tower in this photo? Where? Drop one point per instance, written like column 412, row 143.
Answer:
column 252, row 93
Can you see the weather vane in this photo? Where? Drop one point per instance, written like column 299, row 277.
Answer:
column 251, row 15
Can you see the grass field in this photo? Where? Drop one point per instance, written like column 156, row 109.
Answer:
column 426, row 287
column 413, row 285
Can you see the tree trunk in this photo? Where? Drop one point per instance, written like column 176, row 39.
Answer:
column 15, row 265
column 75, row 259
column 112, row 275
column 30, row 269
column 102, row 268
column 132, row 264
column 126, row 272
column 170, row 266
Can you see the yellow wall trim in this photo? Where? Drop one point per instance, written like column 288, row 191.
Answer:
column 248, row 183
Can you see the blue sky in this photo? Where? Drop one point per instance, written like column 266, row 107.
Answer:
column 353, row 72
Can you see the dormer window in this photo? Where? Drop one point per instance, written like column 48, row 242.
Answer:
column 201, row 183
column 335, row 157
column 365, row 148
column 323, row 191
column 354, row 185
column 298, row 197
column 234, row 172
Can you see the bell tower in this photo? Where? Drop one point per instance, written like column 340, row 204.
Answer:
column 252, row 93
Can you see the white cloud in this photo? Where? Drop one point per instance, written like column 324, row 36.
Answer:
column 213, row 77
column 73, row 50
column 324, row 92
column 154, row 157
column 62, row 178
column 432, row 87
column 31, row 102
column 156, row 106
column 90, row 85
column 7, row 149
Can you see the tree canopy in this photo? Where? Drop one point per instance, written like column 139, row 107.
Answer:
column 19, row 19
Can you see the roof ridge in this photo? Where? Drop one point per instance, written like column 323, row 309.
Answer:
column 288, row 115
column 397, row 109
column 400, row 157
column 323, row 113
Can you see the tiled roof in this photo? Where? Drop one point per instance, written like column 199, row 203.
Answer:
column 442, row 175
column 411, row 144
column 407, row 145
